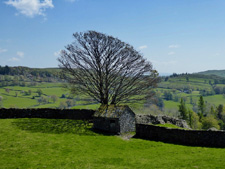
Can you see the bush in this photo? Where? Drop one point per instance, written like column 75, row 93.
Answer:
column 209, row 122
column 39, row 92
column 63, row 96
column 193, row 120
column 63, row 105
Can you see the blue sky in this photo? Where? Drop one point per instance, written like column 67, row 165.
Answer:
column 175, row 35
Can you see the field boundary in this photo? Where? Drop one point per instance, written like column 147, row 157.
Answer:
column 76, row 114
column 180, row 136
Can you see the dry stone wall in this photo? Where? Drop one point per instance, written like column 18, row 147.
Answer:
column 77, row 114
column 151, row 119
column 181, row 136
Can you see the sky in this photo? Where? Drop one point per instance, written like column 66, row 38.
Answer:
column 176, row 36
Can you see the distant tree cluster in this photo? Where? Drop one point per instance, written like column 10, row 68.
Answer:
column 219, row 81
column 24, row 76
column 67, row 104
column 203, row 118
column 210, row 79
column 43, row 100
column 168, row 95
column 207, row 92
column 24, row 80
column 219, row 90
column 20, row 70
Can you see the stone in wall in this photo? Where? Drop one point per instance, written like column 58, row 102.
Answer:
column 151, row 119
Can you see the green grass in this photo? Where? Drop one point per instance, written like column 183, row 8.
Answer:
column 174, row 85
column 27, row 101
column 18, row 102
column 171, row 104
column 169, row 126
column 58, row 91
column 92, row 106
column 181, row 83
column 174, row 105
column 220, row 85
column 215, row 99
column 45, row 143
column 22, row 101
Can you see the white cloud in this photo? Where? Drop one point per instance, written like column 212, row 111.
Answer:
column 3, row 50
column 57, row 53
column 171, row 53
column 174, row 46
column 20, row 54
column 14, row 59
column 31, row 8
column 142, row 47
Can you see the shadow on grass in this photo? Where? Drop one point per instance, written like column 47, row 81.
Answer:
column 102, row 132
column 55, row 126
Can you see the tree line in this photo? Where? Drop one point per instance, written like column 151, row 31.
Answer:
column 203, row 118
column 212, row 79
column 20, row 70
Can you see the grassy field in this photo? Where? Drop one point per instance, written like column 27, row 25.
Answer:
column 30, row 101
column 215, row 99
column 44, row 143
column 181, row 82
column 176, row 86
column 190, row 90
column 20, row 100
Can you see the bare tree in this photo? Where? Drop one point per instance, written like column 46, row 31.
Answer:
column 106, row 69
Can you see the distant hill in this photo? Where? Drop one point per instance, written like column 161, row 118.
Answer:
column 37, row 72
column 220, row 73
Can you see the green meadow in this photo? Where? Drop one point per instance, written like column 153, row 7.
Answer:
column 49, row 143
column 17, row 99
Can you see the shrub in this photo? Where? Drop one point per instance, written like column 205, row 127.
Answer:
column 63, row 105
column 209, row 122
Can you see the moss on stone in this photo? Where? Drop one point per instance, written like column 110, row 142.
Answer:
column 112, row 110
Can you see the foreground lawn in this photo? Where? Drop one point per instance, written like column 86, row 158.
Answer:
column 44, row 143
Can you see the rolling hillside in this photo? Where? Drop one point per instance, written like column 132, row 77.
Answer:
column 220, row 73
column 20, row 91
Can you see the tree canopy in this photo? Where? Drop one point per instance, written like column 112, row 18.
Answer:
column 106, row 69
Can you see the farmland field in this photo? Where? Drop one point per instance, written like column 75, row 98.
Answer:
column 45, row 143
column 17, row 98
